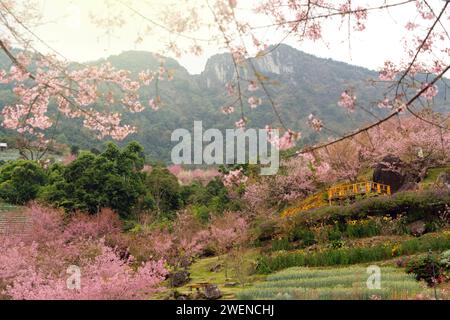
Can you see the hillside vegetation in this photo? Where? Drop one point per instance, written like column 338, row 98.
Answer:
column 188, row 98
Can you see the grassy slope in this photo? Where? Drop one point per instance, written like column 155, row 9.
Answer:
column 433, row 173
column 327, row 287
column 201, row 272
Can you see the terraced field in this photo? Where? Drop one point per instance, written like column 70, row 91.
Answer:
column 11, row 219
column 335, row 284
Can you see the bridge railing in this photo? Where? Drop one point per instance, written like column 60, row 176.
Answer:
column 339, row 192
column 359, row 188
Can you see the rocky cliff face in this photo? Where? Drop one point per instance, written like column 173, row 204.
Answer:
column 218, row 70
column 287, row 64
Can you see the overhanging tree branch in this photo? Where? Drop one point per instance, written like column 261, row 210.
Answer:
column 376, row 124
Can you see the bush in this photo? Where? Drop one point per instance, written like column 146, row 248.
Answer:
column 414, row 205
column 304, row 235
column 201, row 213
column 281, row 244
column 334, row 234
column 445, row 260
column 361, row 229
column 266, row 230
column 337, row 244
column 214, row 196
column 430, row 268
column 20, row 181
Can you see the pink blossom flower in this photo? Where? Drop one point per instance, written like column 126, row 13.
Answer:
column 234, row 178
column 252, row 86
column 315, row 123
column 146, row 77
column 389, row 72
column 227, row 110
column 361, row 16
column 410, row 26
column 230, row 88
column 437, row 67
column 429, row 93
column 314, row 31
column 286, row 141
column 384, row 104
column 254, row 102
column 153, row 104
column 347, row 101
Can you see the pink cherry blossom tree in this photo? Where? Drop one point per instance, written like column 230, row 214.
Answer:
column 95, row 94
column 420, row 145
column 34, row 262
column 295, row 181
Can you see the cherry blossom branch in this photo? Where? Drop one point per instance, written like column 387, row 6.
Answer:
column 440, row 22
column 258, row 75
column 289, row 33
column 406, row 72
column 31, row 31
column 338, row 13
column 235, row 63
column 378, row 123
column 33, row 77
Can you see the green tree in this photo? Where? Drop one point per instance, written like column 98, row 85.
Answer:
column 164, row 188
column 75, row 150
column 210, row 199
column 112, row 179
column 20, row 181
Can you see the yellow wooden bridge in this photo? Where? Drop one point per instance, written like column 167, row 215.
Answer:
column 345, row 191
column 337, row 194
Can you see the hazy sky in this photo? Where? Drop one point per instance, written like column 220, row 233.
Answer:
column 69, row 29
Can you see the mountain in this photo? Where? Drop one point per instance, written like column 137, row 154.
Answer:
column 300, row 84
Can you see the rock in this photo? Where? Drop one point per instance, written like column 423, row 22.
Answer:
column 403, row 262
column 393, row 172
column 443, row 179
column 175, row 295
column 409, row 185
column 230, row 284
column 267, row 230
column 216, row 267
column 417, row 228
column 212, row 292
column 198, row 296
column 179, row 278
column 185, row 262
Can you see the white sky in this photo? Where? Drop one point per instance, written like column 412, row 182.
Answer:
column 70, row 31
